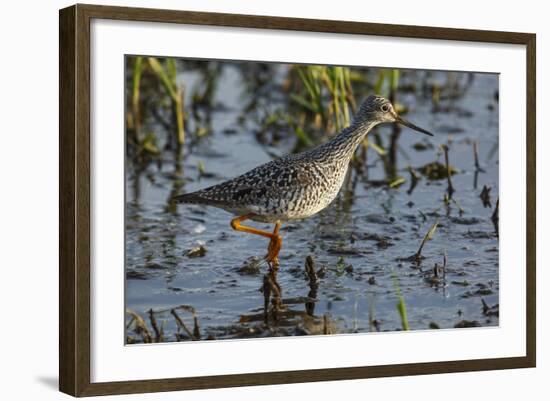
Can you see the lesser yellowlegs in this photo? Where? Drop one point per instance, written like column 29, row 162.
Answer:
column 298, row 185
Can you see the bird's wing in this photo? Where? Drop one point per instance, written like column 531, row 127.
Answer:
column 268, row 181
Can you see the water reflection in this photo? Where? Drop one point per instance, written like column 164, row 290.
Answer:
column 337, row 267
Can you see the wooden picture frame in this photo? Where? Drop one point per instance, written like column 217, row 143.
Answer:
column 74, row 199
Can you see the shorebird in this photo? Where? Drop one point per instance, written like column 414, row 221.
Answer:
column 295, row 186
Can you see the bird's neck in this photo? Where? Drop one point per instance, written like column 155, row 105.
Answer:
column 344, row 144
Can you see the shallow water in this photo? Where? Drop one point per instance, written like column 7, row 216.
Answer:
column 360, row 244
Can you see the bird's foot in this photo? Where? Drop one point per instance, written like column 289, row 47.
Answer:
column 273, row 249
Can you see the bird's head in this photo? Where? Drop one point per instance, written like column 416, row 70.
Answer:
column 378, row 109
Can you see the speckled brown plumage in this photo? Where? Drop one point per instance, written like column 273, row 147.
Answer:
column 299, row 185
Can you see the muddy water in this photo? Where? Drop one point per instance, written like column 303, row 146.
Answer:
column 360, row 244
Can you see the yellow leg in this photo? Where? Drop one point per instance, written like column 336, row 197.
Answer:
column 274, row 245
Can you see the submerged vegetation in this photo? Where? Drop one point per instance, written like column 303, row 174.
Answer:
column 368, row 260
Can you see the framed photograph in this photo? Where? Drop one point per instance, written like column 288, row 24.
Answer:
column 250, row 200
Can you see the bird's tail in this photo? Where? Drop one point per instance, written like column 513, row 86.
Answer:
column 197, row 198
column 188, row 198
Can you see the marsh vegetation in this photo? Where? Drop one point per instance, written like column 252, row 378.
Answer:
column 410, row 243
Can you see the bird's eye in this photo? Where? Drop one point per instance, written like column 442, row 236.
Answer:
column 385, row 107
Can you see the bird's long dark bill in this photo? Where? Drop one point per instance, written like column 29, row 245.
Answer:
column 412, row 126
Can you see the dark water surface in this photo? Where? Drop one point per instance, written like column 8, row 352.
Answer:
column 359, row 243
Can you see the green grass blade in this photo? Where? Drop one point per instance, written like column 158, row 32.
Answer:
column 136, row 82
column 401, row 306
column 303, row 137
column 167, row 83
column 402, row 309
column 303, row 102
column 394, row 80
